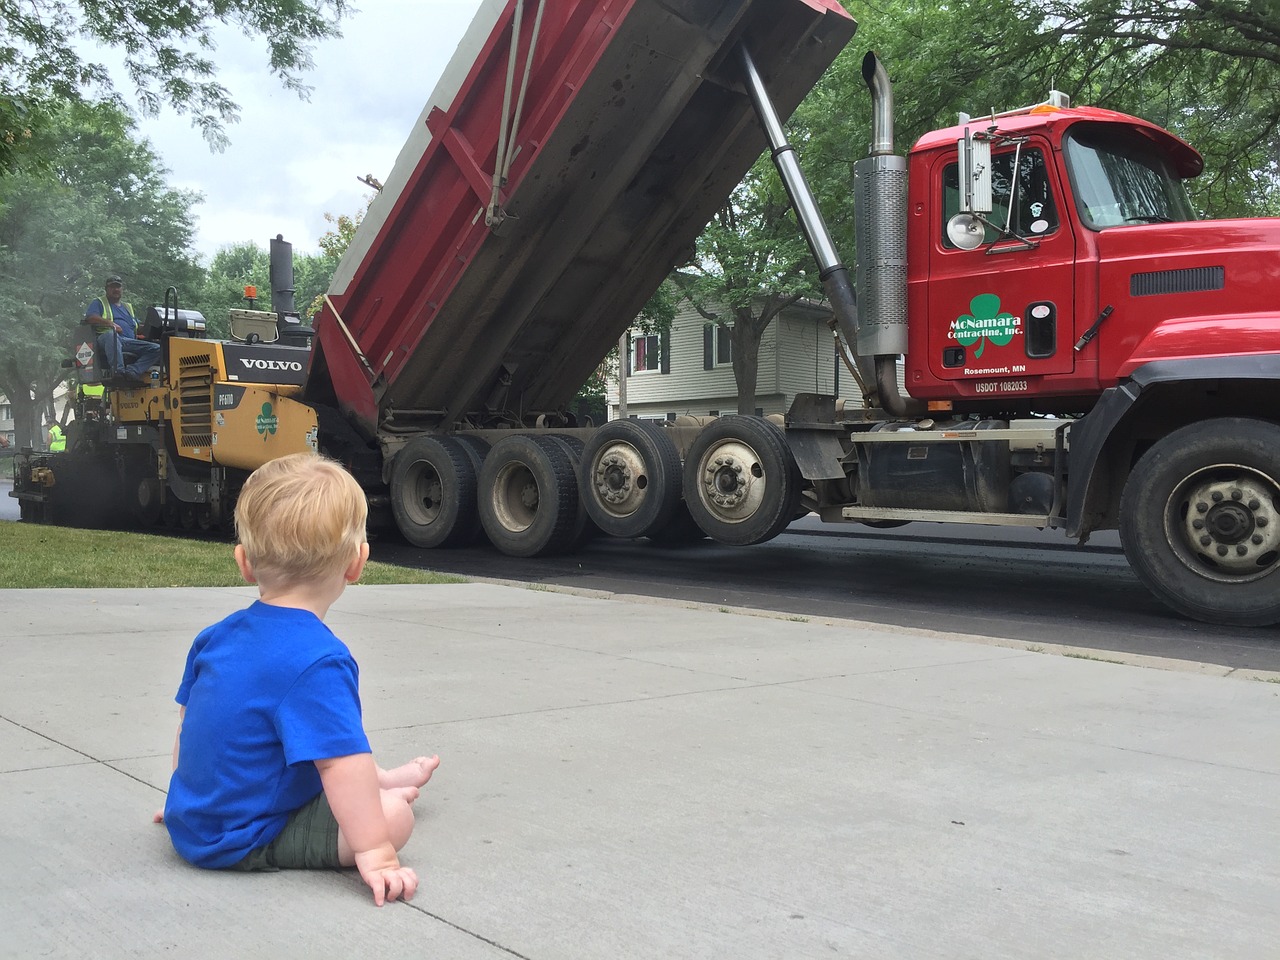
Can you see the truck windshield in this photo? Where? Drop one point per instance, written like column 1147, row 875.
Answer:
column 1122, row 179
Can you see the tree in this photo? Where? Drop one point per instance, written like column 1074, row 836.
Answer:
column 1205, row 69
column 233, row 268
column 751, row 262
column 165, row 47
column 313, row 274
column 98, row 206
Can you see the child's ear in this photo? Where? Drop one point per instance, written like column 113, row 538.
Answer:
column 246, row 568
column 357, row 565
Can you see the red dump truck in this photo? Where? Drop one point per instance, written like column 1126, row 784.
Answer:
column 1042, row 332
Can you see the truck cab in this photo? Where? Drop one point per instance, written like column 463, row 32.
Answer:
column 1090, row 263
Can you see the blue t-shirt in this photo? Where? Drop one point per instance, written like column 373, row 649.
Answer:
column 268, row 691
column 119, row 313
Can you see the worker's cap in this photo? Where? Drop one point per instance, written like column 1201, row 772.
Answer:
column 114, row 281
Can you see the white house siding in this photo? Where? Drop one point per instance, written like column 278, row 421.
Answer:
column 806, row 363
column 688, row 388
column 796, row 356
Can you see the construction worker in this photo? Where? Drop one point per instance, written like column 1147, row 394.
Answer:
column 119, row 338
column 57, row 439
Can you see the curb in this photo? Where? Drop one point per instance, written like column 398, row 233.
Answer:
column 1117, row 657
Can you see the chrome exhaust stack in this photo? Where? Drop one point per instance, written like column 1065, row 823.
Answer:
column 880, row 227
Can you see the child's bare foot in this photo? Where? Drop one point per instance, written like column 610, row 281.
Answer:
column 415, row 773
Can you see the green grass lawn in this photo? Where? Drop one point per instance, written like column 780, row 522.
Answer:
column 34, row 555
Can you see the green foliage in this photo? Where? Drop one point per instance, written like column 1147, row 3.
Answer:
column 312, row 276
column 751, row 262
column 1205, row 69
column 97, row 205
column 246, row 264
column 233, row 268
column 165, row 47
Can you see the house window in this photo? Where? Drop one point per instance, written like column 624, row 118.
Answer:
column 724, row 345
column 6, row 411
column 717, row 345
column 646, row 353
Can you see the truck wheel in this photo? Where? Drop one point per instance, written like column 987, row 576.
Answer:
column 142, row 488
column 476, row 449
column 1200, row 521
column 584, row 528
column 630, row 478
column 741, row 482
column 433, row 492
column 144, row 495
column 528, row 496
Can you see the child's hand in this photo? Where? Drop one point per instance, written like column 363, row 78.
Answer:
column 158, row 816
column 381, row 870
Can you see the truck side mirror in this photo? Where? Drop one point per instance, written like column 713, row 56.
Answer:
column 974, row 156
column 966, row 231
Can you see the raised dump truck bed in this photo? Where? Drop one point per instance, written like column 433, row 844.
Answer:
column 634, row 127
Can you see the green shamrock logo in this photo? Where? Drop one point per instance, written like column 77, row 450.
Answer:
column 986, row 322
column 267, row 421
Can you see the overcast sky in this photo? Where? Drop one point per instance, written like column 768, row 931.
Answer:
column 291, row 161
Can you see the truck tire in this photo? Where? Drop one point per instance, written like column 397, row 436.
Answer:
column 144, row 495
column 528, row 496
column 1200, row 521
column 143, row 490
column 741, row 482
column 584, row 528
column 630, row 478
column 433, row 492
column 476, row 449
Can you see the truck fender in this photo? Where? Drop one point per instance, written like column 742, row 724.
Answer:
column 1118, row 406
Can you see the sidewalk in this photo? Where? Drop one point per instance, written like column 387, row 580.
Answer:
column 624, row 778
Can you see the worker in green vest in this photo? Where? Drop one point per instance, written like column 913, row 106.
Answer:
column 127, row 355
column 57, row 439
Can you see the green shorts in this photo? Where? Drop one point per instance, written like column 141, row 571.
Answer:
column 309, row 841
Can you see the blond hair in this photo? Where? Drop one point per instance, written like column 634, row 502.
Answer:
column 300, row 517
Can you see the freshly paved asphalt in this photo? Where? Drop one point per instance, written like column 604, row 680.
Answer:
column 623, row 777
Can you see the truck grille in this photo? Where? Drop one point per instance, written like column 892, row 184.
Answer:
column 195, row 397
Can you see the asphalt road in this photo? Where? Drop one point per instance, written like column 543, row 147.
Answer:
column 1029, row 585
